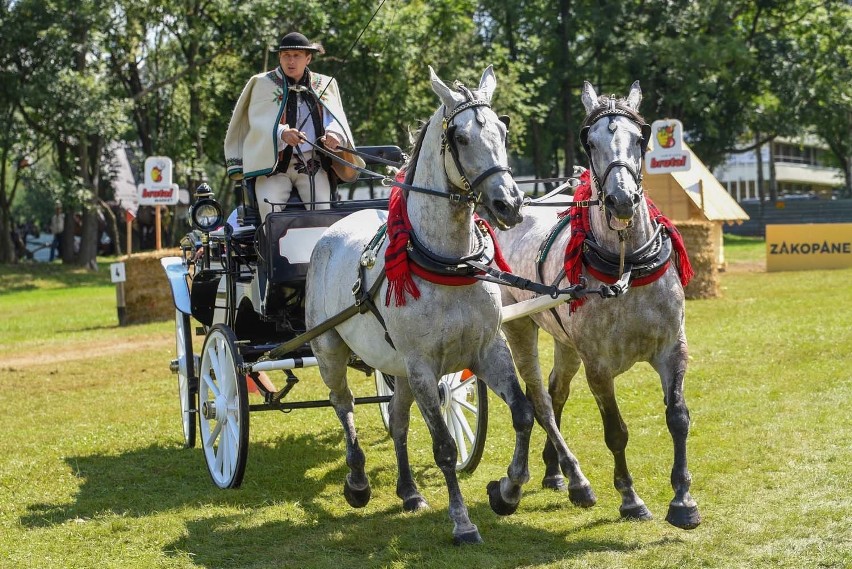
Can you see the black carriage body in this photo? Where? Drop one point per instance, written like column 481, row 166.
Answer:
column 288, row 240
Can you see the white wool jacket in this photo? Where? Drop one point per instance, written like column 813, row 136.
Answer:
column 252, row 143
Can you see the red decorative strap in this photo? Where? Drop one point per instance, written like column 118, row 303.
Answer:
column 399, row 269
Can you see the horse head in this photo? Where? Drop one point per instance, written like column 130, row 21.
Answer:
column 474, row 148
column 615, row 137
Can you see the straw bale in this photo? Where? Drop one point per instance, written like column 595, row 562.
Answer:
column 698, row 238
column 147, row 294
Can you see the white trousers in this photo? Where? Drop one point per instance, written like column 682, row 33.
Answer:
column 277, row 188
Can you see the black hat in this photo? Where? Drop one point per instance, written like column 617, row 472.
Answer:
column 295, row 40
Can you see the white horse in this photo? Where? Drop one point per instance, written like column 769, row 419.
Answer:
column 608, row 335
column 448, row 327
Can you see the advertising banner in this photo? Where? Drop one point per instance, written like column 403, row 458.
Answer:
column 808, row 246
column 666, row 153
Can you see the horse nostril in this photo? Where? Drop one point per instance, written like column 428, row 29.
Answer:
column 636, row 198
column 610, row 202
column 501, row 207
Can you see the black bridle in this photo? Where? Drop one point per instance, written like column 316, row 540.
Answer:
column 448, row 142
column 615, row 109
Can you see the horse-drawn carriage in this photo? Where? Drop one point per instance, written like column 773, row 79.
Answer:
column 246, row 288
column 276, row 296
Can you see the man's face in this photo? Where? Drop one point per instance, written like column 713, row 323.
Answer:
column 293, row 62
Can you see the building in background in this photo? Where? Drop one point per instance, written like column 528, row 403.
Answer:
column 802, row 171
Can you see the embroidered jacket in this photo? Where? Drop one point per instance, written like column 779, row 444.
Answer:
column 252, row 144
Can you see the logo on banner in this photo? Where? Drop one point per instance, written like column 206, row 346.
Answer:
column 667, row 154
column 158, row 188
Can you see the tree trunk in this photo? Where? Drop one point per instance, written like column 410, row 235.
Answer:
column 568, row 121
column 773, row 181
column 7, row 248
column 89, row 240
column 537, row 157
column 759, row 150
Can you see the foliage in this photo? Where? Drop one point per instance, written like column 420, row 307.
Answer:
column 163, row 75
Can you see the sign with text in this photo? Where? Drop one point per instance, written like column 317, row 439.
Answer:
column 162, row 196
column 666, row 152
column 808, row 246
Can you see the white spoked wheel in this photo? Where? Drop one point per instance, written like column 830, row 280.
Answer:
column 184, row 366
column 464, row 405
column 223, row 408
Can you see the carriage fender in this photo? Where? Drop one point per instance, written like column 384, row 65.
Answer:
column 176, row 273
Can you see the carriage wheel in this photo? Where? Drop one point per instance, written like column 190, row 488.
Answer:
column 184, row 367
column 223, row 413
column 464, row 405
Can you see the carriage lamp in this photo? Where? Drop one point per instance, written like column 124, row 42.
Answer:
column 206, row 214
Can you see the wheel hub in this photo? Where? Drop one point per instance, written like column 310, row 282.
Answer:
column 444, row 394
column 208, row 410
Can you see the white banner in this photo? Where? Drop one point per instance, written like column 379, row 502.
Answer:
column 163, row 196
column 666, row 153
column 158, row 172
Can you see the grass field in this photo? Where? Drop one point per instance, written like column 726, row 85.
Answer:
column 93, row 474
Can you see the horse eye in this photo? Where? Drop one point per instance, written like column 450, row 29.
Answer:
column 462, row 139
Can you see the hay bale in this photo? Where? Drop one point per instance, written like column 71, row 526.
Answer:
column 698, row 238
column 147, row 294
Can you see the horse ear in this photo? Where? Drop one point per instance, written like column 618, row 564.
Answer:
column 589, row 97
column 444, row 93
column 635, row 96
column 488, row 82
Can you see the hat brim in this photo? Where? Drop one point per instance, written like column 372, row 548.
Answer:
column 294, row 47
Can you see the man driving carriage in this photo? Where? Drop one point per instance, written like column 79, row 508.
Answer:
column 278, row 118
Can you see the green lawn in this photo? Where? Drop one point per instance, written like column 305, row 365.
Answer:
column 93, row 473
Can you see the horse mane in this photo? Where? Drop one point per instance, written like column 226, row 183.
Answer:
column 411, row 165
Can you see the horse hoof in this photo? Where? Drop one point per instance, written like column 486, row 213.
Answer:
column 500, row 506
column 468, row 537
column 683, row 517
column 355, row 497
column 415, row 504
column 554, row 483
column 583, row 497
column 640, row 513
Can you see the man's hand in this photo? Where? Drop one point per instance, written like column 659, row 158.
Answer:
column 292, row 136
column 330, row 141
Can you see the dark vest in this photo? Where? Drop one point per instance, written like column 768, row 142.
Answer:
column 289, row 117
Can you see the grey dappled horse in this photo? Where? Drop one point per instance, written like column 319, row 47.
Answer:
column 608, row 335
column 447, row 328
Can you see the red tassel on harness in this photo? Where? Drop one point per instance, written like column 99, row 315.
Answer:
column 580, row 227
column 684, row 267
column 396, row 255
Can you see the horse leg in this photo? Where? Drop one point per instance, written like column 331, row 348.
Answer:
column 616, row 436
column 332, row 355
column 424, row 385
column 522, row 335
column 683, row 510
column 497, row 370
column 400, row 417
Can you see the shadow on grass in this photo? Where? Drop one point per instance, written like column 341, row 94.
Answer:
column 20, row 277
column 294, row 475
column 384, row 538
column 156, row 478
